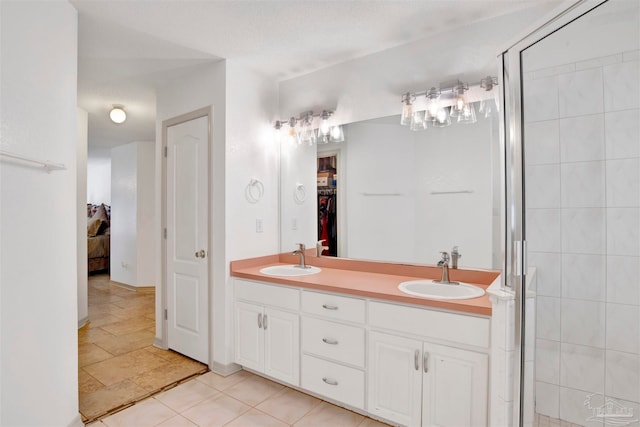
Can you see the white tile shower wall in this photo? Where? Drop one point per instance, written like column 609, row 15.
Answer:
column 582, row 156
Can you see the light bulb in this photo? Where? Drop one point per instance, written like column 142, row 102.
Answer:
column 337, row 134
column 407, row 112
column 441, row 115
column 117, row 114
column 460, row 103
column 324, row 127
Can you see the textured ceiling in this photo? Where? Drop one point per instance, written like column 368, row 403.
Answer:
column 128, row 48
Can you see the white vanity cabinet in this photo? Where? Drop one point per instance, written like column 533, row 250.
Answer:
column 333, row 347
column 267, row 330
column 416, row 382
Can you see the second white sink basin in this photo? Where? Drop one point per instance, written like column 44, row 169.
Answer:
column 430, row 289
column 289, row 270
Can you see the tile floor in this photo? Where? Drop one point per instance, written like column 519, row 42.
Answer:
column 117, row 363
column 545, row 421
column 238, row 400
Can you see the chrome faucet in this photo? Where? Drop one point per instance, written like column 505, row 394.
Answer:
column 320, row 248
column 444, row 263
column 455, row 256
column 300, row 251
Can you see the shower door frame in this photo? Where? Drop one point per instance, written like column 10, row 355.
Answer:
column 515, row 276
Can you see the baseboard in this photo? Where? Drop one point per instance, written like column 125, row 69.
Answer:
column 83, row 321
column 157, row 342
column 225, row 370
column 139, row 289
column 76, row 422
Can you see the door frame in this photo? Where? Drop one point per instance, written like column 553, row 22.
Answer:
column 195, row 114
column 515, row 265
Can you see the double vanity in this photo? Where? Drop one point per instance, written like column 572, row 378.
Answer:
column 363, row 335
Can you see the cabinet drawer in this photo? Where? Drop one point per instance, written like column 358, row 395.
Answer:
column 333, row 340
column 333, row 306
column 277, row 296
column 334, row 381
column 459, row 328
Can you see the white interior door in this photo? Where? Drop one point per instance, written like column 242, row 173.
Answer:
column 187, row 238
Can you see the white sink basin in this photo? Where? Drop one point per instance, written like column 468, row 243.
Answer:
column 431, row 289
column 289, row 270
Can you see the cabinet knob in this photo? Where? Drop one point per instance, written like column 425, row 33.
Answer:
column 416, row 360
column 201, row 253
column 259, row 320
column 330, row 341
column 425, row 361
column 329, row 381
column 264, row 322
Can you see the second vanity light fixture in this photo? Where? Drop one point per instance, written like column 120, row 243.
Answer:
column 310, row 128
column 446, row 104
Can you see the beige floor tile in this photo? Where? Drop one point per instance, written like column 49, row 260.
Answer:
column 216, row 411
column 289, row 405
column 122, row 327
column 136, row 301
column 255, row 418
column 327, row 414
column 370, row 422
column 120, row 344
column 90, row 353
column 186, row 395
column 109, row 398
column 101, row 320
column 149, row 413
column 131, row 312
column 253, row 390
column 177, row 421
column 86, row 383
column 96, row 299
column 168, row 355
column 169, row 373
column 222, row 383
column 89, row 334
column 126, row 366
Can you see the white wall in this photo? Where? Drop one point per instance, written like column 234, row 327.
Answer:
column 38, row 245
column 132, row 214
column 81, row 161
column 99, row 176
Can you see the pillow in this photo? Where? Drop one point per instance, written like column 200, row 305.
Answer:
column 93, row 226
column 101, row 213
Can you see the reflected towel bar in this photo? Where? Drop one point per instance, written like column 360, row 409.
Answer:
column 453, row 192
column 47, row 165
column 382, row 194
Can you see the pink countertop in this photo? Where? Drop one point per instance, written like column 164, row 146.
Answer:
column 370, row 279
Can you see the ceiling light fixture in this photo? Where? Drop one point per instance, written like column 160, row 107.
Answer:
column 117, row 114
column 305, row 129
column 454, row 100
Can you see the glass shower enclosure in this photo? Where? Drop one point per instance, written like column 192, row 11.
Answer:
column 572, row 135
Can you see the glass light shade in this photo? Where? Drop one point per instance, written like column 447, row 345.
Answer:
column 336, row 134
column 458, row 107
column 467, row 115
column 324, row 127
column 442, row 118
column 419, row 120
column 407, row 114
column 117, row 115
column 307, row 135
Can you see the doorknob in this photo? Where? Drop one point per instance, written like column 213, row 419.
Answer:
column 201, row 253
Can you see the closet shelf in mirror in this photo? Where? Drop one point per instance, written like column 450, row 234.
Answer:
column 327, row 191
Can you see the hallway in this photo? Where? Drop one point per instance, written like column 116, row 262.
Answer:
column 117, row 362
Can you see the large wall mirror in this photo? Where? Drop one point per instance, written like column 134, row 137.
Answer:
column 387, row 193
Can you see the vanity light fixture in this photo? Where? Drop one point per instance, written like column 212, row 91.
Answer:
column 117, row 114
column 306, row 129
column 451, row 102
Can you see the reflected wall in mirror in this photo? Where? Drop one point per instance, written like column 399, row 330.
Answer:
column 404, row 196
column 409, row 195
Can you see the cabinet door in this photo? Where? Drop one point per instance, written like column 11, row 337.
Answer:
column 395, row 378
column 249, row 336
column 282, row 346
column 455, row 387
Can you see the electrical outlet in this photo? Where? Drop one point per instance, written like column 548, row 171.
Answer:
column 259, row 225
column 294, row 224
column 124, row 264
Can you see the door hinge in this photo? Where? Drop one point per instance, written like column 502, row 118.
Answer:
column 165, row 233
column 166, row 151
column 166, row 314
